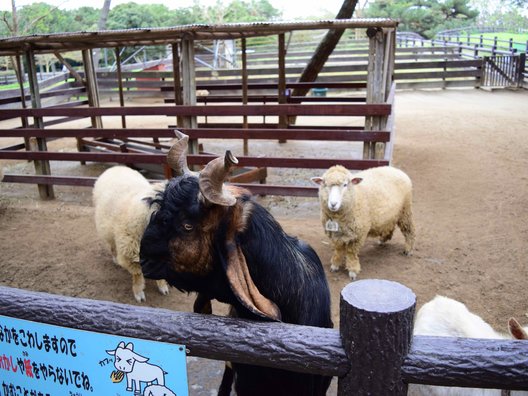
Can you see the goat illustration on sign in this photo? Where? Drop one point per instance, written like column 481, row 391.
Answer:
column 137, row 370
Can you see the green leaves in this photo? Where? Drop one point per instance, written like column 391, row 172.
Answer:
column 425, row 17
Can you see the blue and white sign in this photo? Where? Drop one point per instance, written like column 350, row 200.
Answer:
column 37, row 359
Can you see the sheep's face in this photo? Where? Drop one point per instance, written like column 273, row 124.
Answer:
column 333, row 185
column 179, row 237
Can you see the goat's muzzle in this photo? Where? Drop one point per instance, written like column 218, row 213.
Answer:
column 154, row 269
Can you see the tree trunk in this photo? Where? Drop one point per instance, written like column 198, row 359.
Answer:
column 325, row 49
column 101, row 25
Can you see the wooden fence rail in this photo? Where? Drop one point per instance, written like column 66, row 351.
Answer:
column 124, row 145
column 373, row 352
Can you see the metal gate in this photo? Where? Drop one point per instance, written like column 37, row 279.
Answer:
column 504, row 70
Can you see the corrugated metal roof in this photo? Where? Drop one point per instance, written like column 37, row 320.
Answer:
column 49, row 43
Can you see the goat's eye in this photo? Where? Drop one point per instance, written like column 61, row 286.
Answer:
column 188, row 227
column 345, row 184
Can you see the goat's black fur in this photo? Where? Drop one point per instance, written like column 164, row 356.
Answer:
column 284, row 269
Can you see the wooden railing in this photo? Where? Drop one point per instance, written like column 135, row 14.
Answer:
column 372, row 353
column 123, row 145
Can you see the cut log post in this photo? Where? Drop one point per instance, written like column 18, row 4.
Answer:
column 376, row 321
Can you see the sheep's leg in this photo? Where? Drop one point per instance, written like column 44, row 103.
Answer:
column 352, row 258
column 338, row 257
column 113, row 250
column 138, row 287
column 387, row 236
column 406, row 225
column 138, row 281
column 163, row 286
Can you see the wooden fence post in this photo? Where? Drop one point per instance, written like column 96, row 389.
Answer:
column 38, row 144
column 376, row 321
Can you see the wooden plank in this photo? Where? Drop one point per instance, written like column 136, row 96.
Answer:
column 290, row 134
column 438, row 74
column 195, row 159
column 257, row 189
column 220, row 110
column 238, row 86
column 211, row 133
column 453, row 64
column 274, row 98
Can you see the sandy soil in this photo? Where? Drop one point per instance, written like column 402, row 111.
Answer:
column 466, row 152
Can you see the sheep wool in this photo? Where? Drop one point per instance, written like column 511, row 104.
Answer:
column 368, row 203
column 445, row 317
column 122, row 212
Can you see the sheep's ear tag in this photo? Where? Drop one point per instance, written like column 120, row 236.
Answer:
column 332, row 226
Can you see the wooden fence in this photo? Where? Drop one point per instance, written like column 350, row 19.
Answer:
column 372, row 353
column 124, row 152
column 503, row 61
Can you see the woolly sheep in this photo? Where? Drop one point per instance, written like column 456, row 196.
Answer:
column 121, row 198
column 445, row 317
column 368, row 203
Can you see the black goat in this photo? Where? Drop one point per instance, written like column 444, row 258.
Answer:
column 211, row 238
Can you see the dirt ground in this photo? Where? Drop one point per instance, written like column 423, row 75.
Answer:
column 466, row 152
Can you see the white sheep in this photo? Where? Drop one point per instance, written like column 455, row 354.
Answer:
column 368, row 203
column 122, row 212
column 445, row 317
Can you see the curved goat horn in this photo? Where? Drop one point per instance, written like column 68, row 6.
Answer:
column 177, row 155
column 212, row 179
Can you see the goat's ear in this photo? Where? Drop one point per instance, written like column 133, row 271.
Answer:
column 244, row 288
column 516, row 330
column 120, row 345
column 356, row 180
column 317, row 180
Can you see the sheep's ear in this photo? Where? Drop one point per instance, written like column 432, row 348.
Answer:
column 244, row 288
column 317, row 180
column 356, row 180
column 516, row 330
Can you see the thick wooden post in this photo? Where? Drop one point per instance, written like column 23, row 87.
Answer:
column 91, row 85
column 117, row 52
column 38, row 144
column 178, row 100
column 379, row 81
column 245, row 124
column 188, row 74
column 376, row 321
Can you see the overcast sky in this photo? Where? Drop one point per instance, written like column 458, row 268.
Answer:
column 290, row 8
